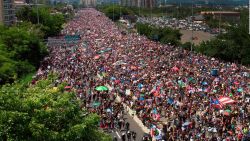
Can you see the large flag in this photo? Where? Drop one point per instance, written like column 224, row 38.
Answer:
column 226, row 100
column 216, row 103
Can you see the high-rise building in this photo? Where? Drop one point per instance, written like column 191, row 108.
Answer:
column 100, row 2
column 139, row 3
column 89, row 3
column 1, row 12
column 7, row 12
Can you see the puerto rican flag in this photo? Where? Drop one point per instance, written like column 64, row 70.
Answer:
column 226, row 100
column 216, row 104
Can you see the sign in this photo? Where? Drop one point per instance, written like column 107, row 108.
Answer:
column 72, row 37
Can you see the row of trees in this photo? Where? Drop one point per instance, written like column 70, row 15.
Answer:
column 50, row 23
column 115, row 12
column 22, row 47
column 21, row 51
column 233, row 46
column 45, row 112
column 163, row 35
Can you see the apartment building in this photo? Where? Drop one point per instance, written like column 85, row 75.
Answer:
column 139, row 3
column 7, row 12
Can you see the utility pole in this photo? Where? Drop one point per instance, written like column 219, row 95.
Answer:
column 220, row 20
column 192, row 26
column 113, row 11
column 37, row 15
column 249, row 16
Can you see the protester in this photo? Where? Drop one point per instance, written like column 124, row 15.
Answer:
column 193, row 96
column 134, row 135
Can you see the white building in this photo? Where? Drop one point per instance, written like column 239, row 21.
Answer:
column 89, row 3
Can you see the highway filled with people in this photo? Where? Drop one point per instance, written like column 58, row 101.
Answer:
column 176, row 94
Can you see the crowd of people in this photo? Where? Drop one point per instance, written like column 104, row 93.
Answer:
column 171, row 90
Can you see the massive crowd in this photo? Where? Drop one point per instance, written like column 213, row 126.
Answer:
column 171, row 90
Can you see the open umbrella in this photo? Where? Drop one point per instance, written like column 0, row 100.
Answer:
column 240, row 90
column 105, row 50
column 204, row 83
column 67, row 87
column 239, row 127
column 96, row 104
column 120, row 62
column 141, row 98
column 109, row 110
column 133, row 67
column 97, row 57
column 227, row 112
column 175, row 68
column 101, row 88
column 186, row 123
column 108, row 49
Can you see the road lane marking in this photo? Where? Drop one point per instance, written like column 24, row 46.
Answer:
column 118, row 135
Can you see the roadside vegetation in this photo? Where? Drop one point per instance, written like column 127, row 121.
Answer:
column 45, row 111
column 22, row 46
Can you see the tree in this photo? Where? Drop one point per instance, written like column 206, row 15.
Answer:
column 7, row 70
column 187, row 45
column 51, row 23
column 114, row 12
column 232, row 46
column 164, row 35
column 21, row 51
column 23, row 44
column 45, row 112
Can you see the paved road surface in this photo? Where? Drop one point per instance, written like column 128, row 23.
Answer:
column 133, row 127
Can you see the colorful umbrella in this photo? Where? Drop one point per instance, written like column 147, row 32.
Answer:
column 204, row 83
column 142, row 95
column 133, row 67
column 109, row 110
column 97, row 57
column 96, row 104
column 240, row 90
column 186, row 123
column 105, row 50
column 226, row 113
column 175, row 68
column 141, row 98
column 67, row 87
column 101, row 88
column 236, row 83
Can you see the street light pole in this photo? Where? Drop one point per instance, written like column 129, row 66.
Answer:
column 192, row 26
column 113, row 11
column 249, row 16
column 37, row 15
